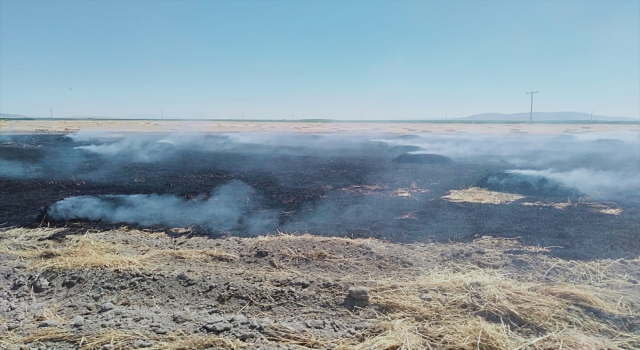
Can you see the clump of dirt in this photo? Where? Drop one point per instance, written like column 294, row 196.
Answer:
column 124, row 288
column 481, row 195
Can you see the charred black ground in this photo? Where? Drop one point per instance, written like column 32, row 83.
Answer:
column 327, row 186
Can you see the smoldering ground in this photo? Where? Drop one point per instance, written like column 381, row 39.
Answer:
column 344, row 185
column 227, row 206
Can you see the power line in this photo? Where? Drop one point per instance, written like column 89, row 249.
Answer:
column 531, row 113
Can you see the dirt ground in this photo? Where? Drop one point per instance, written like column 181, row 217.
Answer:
column 123, row 289
column 356, row 250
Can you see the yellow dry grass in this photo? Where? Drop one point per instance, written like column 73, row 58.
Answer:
column 481, row 195
column 191, row 254
column 446, row 306
column 86, row 251
column 593, row 206
column 78, row 252
column 464, row 307
column 120, row 340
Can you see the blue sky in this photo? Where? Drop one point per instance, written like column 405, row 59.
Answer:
column 313, row 59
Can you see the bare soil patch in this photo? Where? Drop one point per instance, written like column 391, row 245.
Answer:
column 123, row 288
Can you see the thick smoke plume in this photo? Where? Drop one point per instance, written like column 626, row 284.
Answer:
column 224, row 210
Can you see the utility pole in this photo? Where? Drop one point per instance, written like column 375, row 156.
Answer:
column 592, row 116
column 531, row 113
column 51, row 112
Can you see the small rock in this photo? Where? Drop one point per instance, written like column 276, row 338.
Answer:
column 48, row 323
column 214, row 319
column 261, row 253
column 302, row 283
column 363, row 325
column 246, row 336
column 106, row 307
column 217, row 327
column 12, row 326
column 359, row 293
column 317, row 324
column 191, row 282
column 180, row 318
column 18, row 283
column 426, row 297
column 183, row 276
column 69, row 283
column 240, row 319
column 161, row 330
column 351, row 303
column 107, row 347
column 40, row 285
column 142, row 344
column 77, row 321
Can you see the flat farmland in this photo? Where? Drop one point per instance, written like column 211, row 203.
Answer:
column 216, row 234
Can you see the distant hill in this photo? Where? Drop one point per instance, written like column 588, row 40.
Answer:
column 5, row 115
column 558, row 116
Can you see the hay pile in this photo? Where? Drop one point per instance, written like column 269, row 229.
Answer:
column 481, row 195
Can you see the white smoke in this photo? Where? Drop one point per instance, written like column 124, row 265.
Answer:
column 14, row 169
column 602, row 184
column 599, row 150
column 137, row 148
column 222, row 211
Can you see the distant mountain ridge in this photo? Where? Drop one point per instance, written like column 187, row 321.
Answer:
column 558, row 116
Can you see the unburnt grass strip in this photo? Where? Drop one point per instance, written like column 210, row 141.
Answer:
column 127, row 288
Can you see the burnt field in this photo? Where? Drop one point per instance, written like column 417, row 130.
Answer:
column 577, row 194
column 294, row 241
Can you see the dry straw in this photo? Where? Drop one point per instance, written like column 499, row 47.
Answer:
column 552, row 304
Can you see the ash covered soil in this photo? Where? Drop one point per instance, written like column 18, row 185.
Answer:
column 332, row 185
column 194, row 241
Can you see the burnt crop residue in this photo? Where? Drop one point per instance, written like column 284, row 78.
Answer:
column 398, row 188
column 526, row 184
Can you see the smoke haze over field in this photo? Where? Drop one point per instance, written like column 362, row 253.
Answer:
column 355, row 185
column 595, row 183
column 598, row 165
column 223, row 210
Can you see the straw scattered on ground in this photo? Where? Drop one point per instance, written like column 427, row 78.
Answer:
column 482, row 297
column 481, row 195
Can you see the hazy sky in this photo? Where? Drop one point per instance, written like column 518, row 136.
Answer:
column 312, row 59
